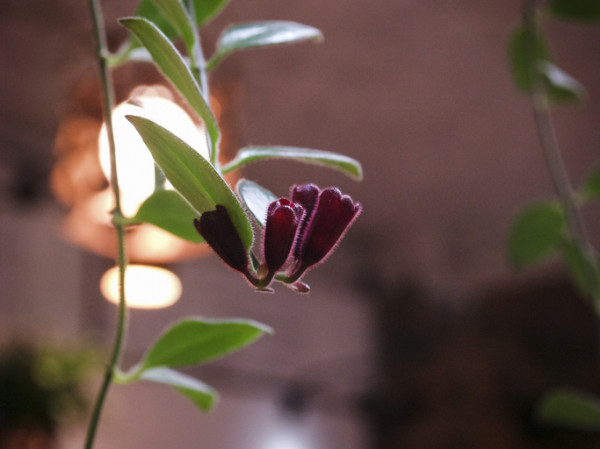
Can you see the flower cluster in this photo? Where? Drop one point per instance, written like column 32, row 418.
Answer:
column 300, row 232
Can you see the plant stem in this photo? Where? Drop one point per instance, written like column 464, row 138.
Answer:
column 549, row 143
column 198, row 68
column 108, row 94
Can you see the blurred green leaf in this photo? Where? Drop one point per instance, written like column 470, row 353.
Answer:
column 167, row 22
column 345, row 164
column 177, row 16
column 256, row 198
column 242, row 36
column 148, row 10
column 206, row 10
column 198, row 392
column 536, row 232
column 192, row 175
column 195, row 341
column 170, row 62
column 583, row 268
column 591, row 187
column 523, row 68
column 168, row 210
column 571, row 409
column 585, row 10
column 561, row 87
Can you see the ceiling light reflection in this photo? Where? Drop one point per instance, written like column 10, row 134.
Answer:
column 146, row 286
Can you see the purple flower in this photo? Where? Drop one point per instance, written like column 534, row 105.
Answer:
column 327, row 215
column 283, row 218
column 300, row 232
column 333, row 214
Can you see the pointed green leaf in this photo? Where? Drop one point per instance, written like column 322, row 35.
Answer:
column 345, row 164
column 242, row 36
column 206, row 10
column 523, row 67
column 561, row 87
column 591, row 187
column 176, row 14
column 170, row 62
column 256, row 198
column 198, row 392
column 195, row 341
column 168, row 210
column 536, row 232
column 585, row 10
column 571, row 409
column 192, row 175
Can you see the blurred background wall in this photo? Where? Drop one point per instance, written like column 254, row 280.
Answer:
column 416, row 333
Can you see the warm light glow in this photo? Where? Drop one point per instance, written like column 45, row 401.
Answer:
column 285, row 440
column 146, row 286
column 156, row 243
column 134, row 163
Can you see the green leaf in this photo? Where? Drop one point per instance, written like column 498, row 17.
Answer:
column 206, row 10
column 195, row 341
column 176, row 14
column 571, row 409
column 345, row 164
column 148, row 9
column 536, row 232
column 170, row 62
column 591, row 187
column 561, row 87
column 256, row 198
column 198, row 392
column 168, row 210
column 583, row 268
column 192, row 175
column 242, row 36
column 585, row 10
column 523, row 67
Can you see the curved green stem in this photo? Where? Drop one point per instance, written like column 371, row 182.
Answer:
column 107, row 87
column 549, row 143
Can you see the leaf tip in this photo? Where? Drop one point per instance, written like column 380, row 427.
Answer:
column 263, row 328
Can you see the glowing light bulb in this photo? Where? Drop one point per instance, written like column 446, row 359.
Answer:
column 135, row 166
column 146, row 286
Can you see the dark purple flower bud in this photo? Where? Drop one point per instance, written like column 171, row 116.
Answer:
column 333, row 215
column 306, row 195
column 219, row 232
column 283, row 218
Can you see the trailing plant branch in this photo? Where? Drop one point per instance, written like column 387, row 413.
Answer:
column 540, row 102
column 108, row 99
column 203, row 200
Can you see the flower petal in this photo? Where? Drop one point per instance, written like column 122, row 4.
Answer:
column 283, row 218
column 307, row 196
column 333, row 215
column 220, row 233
